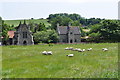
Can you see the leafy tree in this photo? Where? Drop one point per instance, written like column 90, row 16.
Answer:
column 0, row 28
column 76, row 23
column 54, row 22
column 40, row 27
column 74, row 16
column 94, row 36
column 75, row 19
column 109, row 30
column 95, row 28
column 5, row 29
column 41, row 37
column 32, row 26
column 83, row 33
column 49, row 36
column 66, row 21
column 53, row 36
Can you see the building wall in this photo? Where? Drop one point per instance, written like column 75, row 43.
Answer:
column 63, row 38
column 27, row 40
column 71, row 37
column 77, row 38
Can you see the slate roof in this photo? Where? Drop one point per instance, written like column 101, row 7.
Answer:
column 64, row 29
column 21, row 25
column 11, row 34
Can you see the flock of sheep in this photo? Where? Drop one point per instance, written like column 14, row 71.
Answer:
column 72, row 49
column 80, row 50
column 76, row 49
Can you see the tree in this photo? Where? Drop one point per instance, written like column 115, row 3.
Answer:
column 94, row 36
column 41, row 37
column 0, row 28
column 53, row 36
column 76, row 23
column 5, row 29
column 75, row 18
column 32, row 26
column 41, row 27
column 49, row 36
column 109, row 30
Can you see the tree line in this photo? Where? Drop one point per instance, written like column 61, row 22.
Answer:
column 75, row 20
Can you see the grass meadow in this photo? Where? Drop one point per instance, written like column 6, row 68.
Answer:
column 28, row 62
column 16, row 22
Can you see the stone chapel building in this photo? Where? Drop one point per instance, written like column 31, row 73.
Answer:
column 23, row 35
column 69, row 34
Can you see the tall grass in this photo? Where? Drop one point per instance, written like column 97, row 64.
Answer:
column 28, row 62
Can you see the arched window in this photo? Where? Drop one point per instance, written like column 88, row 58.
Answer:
column 75, row 40
column 71, row 41
column 71, row 33
column 24, row 42
column 24, row 34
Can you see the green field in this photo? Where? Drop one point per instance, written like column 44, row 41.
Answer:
column 28, row 62
column 16, row 22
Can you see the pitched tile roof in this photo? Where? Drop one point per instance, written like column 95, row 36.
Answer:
column 64, row 29
column 11, row 34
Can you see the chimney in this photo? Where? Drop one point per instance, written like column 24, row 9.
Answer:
column 57, row 24
column 24, row 22
column 69, row 24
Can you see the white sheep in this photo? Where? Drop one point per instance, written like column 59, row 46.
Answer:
column 89, row 49
column 71, row 48
column 66, row 48
column 70, row 55
column 44, row 52
column 75, row 49
column 49, row 52
column 83, row 50
column 79, row 50
column 104, row 49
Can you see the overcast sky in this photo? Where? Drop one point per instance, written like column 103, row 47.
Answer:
column 26, row 9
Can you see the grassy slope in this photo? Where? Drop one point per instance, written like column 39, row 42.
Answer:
column 28, row 62
column 16, row 22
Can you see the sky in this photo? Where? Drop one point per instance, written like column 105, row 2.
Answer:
column 26, row 9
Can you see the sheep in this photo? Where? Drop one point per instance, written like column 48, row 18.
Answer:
column 104, row 49
column 70, row 55
column 81, row 50
column 71, row 48
column 75, row 49
column 44, row 52
column 66, row 48
column 49, row 52
column 89, row 49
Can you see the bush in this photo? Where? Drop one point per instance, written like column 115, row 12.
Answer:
column 49, row 36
